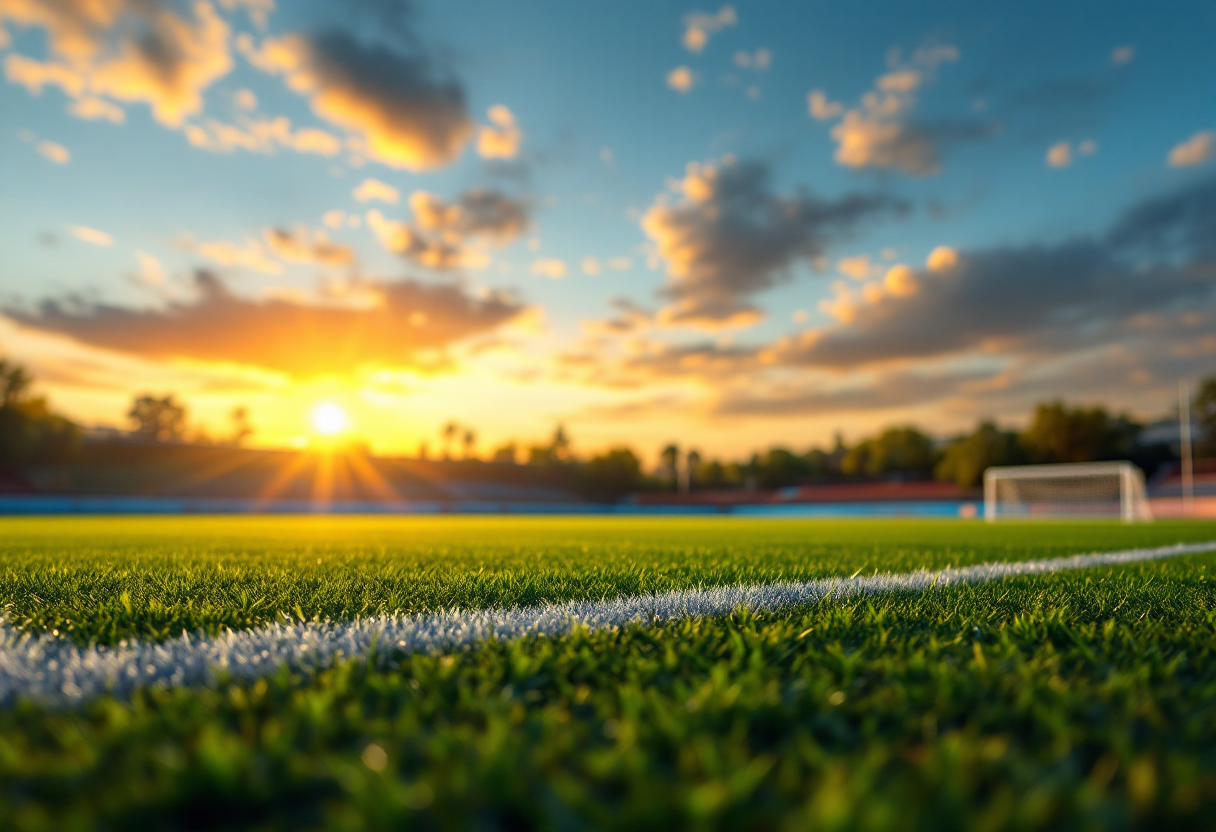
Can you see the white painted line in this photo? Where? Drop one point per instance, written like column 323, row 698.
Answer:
column 53, row 671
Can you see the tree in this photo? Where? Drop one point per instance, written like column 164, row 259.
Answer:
column 241, row 428
column 470, row 439
column 669, row 461
column 157, row 420
column 1203, row 405
column 900, row 450
column 779, row 467
column 1058, row 433
column 966, row 459
column 14, row 384
column 506, row 452
column 449, row 434
column 560, row 446
column 611, row 476
column 692, row 468
column 29, row 430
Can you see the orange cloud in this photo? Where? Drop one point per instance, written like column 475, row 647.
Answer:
column 502, row 139
column 125, row 50
column 680, row 79
column 549, row 267
column 880, row 133
column 407, row 113
column 731, row 237
column 370, row 190
column 1196, row 150
column 446, row 235
column 299, row 246
column 262, row 135
column 410, row 321
column 698, row 26
column 54, row 152
column 91, row 235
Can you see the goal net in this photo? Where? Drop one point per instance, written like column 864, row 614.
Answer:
column 1088, row 489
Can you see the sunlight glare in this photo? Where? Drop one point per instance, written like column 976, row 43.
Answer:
column 328, row 419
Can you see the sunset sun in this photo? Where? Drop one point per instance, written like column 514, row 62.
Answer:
column 329, row 419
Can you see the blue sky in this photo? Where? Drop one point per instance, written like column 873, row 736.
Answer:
column 842, row 269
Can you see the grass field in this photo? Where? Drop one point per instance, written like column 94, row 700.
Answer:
column 1078, row 700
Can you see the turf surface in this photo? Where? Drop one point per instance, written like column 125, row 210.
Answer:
column 1084, row 700
column 102, row 580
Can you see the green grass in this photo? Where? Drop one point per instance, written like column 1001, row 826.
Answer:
column 102, row 580
column 1082, row 700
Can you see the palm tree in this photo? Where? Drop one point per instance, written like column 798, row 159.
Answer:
column 470, row 439
column 561, row 444
column 449, row 434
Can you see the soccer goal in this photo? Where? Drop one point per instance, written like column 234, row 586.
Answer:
column 1087, row 489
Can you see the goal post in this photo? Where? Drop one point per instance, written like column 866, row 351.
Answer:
column 1076, row 490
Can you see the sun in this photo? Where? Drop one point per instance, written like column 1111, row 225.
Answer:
column 328, row 419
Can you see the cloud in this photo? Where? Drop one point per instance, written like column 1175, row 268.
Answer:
column 881, row 133
column 91, row 235
column 500, row 139
column 150, row 272
column 245, row 100
column 408, row 320
column 549, row 267
column 299, row 246
column 370, row 190
column 857, row 267
column 889, row 390
column 97, row 109
column 139, row 51
column 252, row 255
column 821, row 108
column 408, row 110
column 1121, row 55
column 680, row 79
column 1196, row 150
column 728, row 237
column 592, row 266
column 1027, row 299
column 698, row 26
column 447, row 235
column 54, row 152
column 261, row 135
column 1059, row 155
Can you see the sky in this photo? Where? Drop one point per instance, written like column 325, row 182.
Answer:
column 729, row 226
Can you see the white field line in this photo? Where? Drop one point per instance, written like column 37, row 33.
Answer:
column 53, row 671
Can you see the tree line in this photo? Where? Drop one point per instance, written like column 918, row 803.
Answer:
column 30, row 432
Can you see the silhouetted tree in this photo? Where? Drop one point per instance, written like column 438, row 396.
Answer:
column 611, row 476
column 692, row 468
column 470, row 439
column 1061, row 434
column 669, row 461
column 14, row 383
column 29, row 431
column 449, row 435
column 241, row 428
column 895, row 450
column 506, row 452
column 157, row 420
column 966, row 459
column 560, row 445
